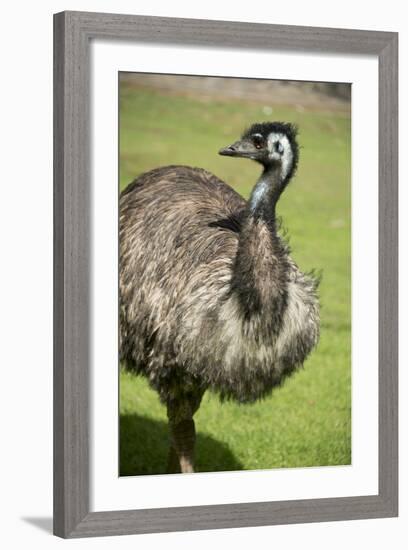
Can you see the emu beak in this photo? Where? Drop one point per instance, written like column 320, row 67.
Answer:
column 240, row 148
column 229, row 151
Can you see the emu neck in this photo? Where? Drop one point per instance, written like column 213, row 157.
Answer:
column 260, row 270
column 266, row 193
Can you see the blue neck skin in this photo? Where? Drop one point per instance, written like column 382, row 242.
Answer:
column 266, row 193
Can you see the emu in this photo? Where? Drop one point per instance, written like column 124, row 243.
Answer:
column 209, row 295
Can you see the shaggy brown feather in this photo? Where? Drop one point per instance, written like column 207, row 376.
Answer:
column 209, row 296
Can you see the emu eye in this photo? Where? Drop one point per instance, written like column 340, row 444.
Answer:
column 279, row 147
column 258, row 140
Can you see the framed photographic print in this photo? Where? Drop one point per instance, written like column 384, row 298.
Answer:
column 225, row 289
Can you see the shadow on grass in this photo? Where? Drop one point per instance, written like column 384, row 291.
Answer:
column 144, row 444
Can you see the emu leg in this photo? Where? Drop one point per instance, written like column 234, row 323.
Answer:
column 182, row 441
column 173, row 464
column 180, row 413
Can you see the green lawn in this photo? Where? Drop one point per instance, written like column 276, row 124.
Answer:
column 307, row 422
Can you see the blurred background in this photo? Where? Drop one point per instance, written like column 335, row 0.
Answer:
column 166, row 119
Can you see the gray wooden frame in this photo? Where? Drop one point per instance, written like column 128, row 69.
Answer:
column 72, row 34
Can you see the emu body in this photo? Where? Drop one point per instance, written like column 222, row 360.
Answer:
column 209, row 296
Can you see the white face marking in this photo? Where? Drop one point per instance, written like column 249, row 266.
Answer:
column 287, row 155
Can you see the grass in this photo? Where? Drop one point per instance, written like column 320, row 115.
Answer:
column 307, row 422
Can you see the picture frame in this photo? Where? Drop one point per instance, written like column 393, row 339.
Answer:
column 73, row 32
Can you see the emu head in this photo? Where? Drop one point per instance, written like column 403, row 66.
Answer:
column 272, row 144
